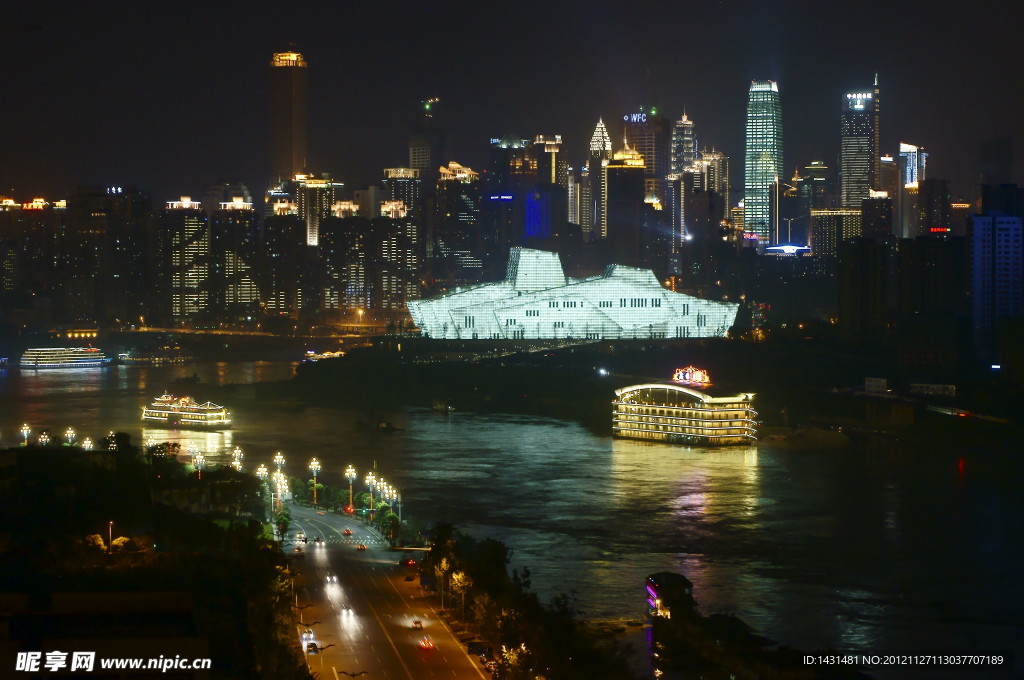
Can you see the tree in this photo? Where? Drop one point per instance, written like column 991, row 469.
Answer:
column 461, row 583
column 484, row 613
column 95, row 543
column 122, row 544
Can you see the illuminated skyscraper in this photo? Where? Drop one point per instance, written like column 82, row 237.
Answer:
column 912, row 163
column 649, row 133
column 600, row 154
column 763, row 159
column 684, row 145
column 183, row 244
column 403, row 184
column 858, row 155
column 315, row 199
column 287, row 116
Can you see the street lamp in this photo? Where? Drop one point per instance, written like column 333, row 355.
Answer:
column 87, row 444
column 350, row 475
column 314, row 467
column 69, row 434
column 237, row 459
column 370, row 480
column 110, row 535
column 44, row 439
column 261, row 472
column 198, row 462
column 279, row 461
column 25, row 432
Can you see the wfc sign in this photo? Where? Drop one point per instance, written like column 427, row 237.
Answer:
column 635, row 118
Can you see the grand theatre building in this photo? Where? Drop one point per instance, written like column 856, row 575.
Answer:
column 538, row 301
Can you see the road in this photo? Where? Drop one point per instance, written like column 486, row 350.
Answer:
column 364, row 621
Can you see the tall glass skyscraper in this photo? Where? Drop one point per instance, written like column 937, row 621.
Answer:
column 858, row 155
column 684, row 145
column 763, row 159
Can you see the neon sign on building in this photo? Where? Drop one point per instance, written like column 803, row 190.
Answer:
column 692, row 376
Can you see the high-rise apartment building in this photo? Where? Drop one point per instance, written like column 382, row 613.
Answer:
column 315, row 200
column 712, row 169
column 183, row 244
column 600, row 154
column 997, row 275
column 762, row 159
column 858, row 153
column 288, row 117
column 829, row 228
column 684, row 145
column 231, row 276
column 404, row 184
column 933, row 206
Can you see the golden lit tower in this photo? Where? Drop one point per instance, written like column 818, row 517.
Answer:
column 287, row 116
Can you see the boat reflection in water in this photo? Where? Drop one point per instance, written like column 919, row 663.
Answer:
column 216, row 446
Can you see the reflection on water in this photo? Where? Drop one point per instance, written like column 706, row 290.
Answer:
column 216, row 446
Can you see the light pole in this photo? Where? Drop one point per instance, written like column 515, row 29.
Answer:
column 87, row 444
column 198, row 462
column 44, row 439
column 69, row 434
column 25, row 432
column 279, row 461
column 314, row 467
column 110, row 535
column 237, row 456
column 261, row 472
column 350, row 475
column 370, row 479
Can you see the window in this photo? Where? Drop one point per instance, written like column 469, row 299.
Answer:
column 532, row 312
column 622, row 302
column 552, row 303
column 469, row 322
column 655, row 302
column 510, row 322
column 559, row 324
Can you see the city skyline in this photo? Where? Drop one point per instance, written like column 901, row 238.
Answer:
column 166, row 121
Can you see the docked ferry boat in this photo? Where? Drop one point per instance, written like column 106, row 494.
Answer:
column 676, row 413
column 64, row 357
column 168, row 411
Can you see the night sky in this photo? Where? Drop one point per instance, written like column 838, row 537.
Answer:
column 173, row 96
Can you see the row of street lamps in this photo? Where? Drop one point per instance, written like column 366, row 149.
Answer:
column 44, row 438
column 374, row 483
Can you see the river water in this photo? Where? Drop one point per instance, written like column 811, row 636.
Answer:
column 859, row 551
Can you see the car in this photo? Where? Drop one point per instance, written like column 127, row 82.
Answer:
column 417, row 624
column 331, row 578
column 312, row 648
column 410, row 577
column 300, row 537
column 410, row 562
column 307, row 635
column 361, row 547
column 347, row 532
column 426, row 643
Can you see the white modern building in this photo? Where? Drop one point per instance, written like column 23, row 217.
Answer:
column 538, row 301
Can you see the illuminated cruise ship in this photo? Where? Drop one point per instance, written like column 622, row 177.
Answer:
column 64, row 357
column 678, row 414
column 174, row 412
